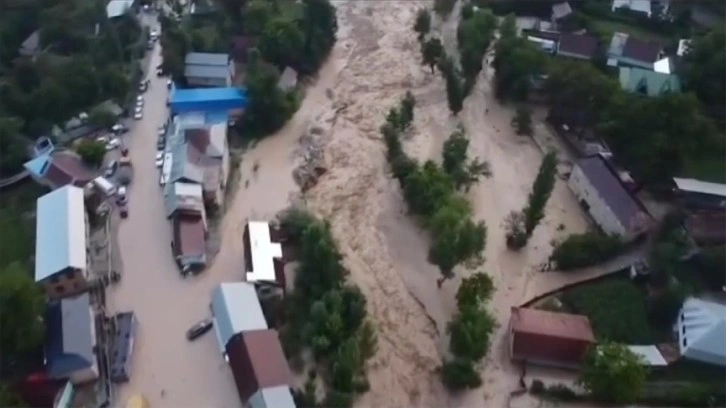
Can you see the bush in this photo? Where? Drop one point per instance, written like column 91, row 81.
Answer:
column 470, row 332
column 616, row 309
column 459, row 374
column 664, row 307
column 581, row 250
column 686, row 396
column 537, row 387
column 91, row 151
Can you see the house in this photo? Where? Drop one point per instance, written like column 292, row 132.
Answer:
column 600, row 190
column 71, row 340
column 577, row 46
column 122, row 349
column 560, row 11
column 707, row 228
column 697, row 194
column 288, row 79
column 181, row 197
column 264, row 265
column 31, row 45
column 209, row 70
column 190, row 165
column 189, row 245
column 549, row 338
column 649, row 83
column 235, row 309
column 626, row 50
column 260, row 370
column 639, row 6
column 650, row 355
column 117, row 8
column 546, row 41
column 701, row 331
column 61, row 236
column 683, row 47
column 229, row 100
column 55, row 169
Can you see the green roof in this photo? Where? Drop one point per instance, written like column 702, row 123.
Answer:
column 648, row 82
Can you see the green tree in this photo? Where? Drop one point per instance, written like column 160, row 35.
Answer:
column 474, row 290
column 101, row 118
column 456, row 237
column 580, row 250
column 474, row 35
column 427, row 189
column 320, row 267
column 444, row 7
column 704, row 65
column 13, row 151
column 320, row 25
column 91, row 151
column 470, row 332
column 456, row 161
column 454, row 85
column 541, row 191
column 508, row 28
column 423, row 23
column 613, row 373
column 432, row 51
column 9, row 399
column 516, row 234
column 282, row 42
column 459, row 374
column 517, row 61
column 257, row 13
column 523, row 120
column 22, row 305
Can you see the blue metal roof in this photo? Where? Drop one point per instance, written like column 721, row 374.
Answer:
column 38, row 165
column 69, row 336
column 208, row 95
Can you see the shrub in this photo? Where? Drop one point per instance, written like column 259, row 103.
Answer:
column 537, row 387
column 581, row 250
column 459, row 374
column 91, row 151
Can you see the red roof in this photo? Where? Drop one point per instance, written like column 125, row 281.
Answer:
column 641, row 50
column 257, row 361
column 189, row 234
column 66, row 168
column 582, row 45
column 559, row 338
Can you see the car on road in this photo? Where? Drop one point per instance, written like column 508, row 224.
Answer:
column 144, row 85
column 139, row 100
column 159, row 159
column 154, row 34
column 138, row 115
column 150, row 45
column 162, row 130
column 121, row 197
column 168, row 83
column 119, row 129
column 199, row 329
column 110, row 169
column 160, row 144
column 113, row 143
column 123, row 211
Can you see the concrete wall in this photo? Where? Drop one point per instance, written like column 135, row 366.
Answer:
column 600, row 212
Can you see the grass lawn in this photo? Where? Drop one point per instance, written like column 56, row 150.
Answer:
column 711, row 169
column 608, row 26
column 616, row 308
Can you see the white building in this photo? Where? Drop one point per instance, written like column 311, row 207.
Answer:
column 601, row 192
column 209, row 70
column 702, row 331
column 235, row 309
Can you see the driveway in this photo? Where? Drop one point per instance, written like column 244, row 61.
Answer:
column 167, row 369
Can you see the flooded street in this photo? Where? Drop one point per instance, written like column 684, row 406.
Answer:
column 375, row 61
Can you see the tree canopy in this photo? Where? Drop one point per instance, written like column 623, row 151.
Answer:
column 613, row 373
column 704, row 65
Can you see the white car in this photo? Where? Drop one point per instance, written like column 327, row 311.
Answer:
column 162, row 130
column 139, row 100
column 121, row 197
column 102, row 139
column 113, row 144
column 159, row 159
column 138, row 115
column 154, row 34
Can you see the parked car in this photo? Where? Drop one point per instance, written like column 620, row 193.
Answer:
column 139, row 100
column 121, row 197
column 162, row 130
column 159, row 159
column 199, row 329
column 161, row 144
column 123, row 211
column 144, row 85
column 168, row 85
column 113, row 144
column 150, row 45
column 138, row 115
column 110, row 169
column 119, row 129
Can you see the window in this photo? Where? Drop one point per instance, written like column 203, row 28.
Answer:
column 685, row 342
column 54, row 279
column 60, row 289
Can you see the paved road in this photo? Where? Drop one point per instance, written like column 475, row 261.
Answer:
column 167, row 369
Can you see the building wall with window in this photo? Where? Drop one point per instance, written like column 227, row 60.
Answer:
column 595, row 205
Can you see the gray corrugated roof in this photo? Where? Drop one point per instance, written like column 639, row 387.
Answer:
column 206, row 71
column 181, row 168
column 236, row 308
column 206, row 58
column 613, row 192
column 69, row 336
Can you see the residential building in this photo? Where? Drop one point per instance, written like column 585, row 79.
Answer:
column 626, row 50
column 684, row 45
column 55, row 169
column 209, row 70
column 61, row 236
column 264, row 265
column 549, row 338
column 651, row 355
column 117, row 8
column 288, row 79
column 260, row 370
column 235, row 309
column 577, row 46
column 697, row 194
column 71, row 340
column 31, row 46
column 231, row 100
column 701, row 331
column 638, row 6
column 189, row 244
column 600, row 190
column 560, row 11
column 707, row 228
column 122, row 349
column 647, row 82
column 181, row 196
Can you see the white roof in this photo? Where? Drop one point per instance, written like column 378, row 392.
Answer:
column 663, row 66
column 60, row 234
column 263, row 252
column 236, row 309
column 116, row 8
column 272, row 397
column 636, row 5
column 702, row 330
column 698, row 186
column 187, row 189
column 683, row 47
column 650, row 355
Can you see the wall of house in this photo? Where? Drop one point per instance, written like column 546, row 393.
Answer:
column 599, row 210
column 66, row 283
column 629, row 62
column 85, row 375
column 211, row 82
column 570, row 55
